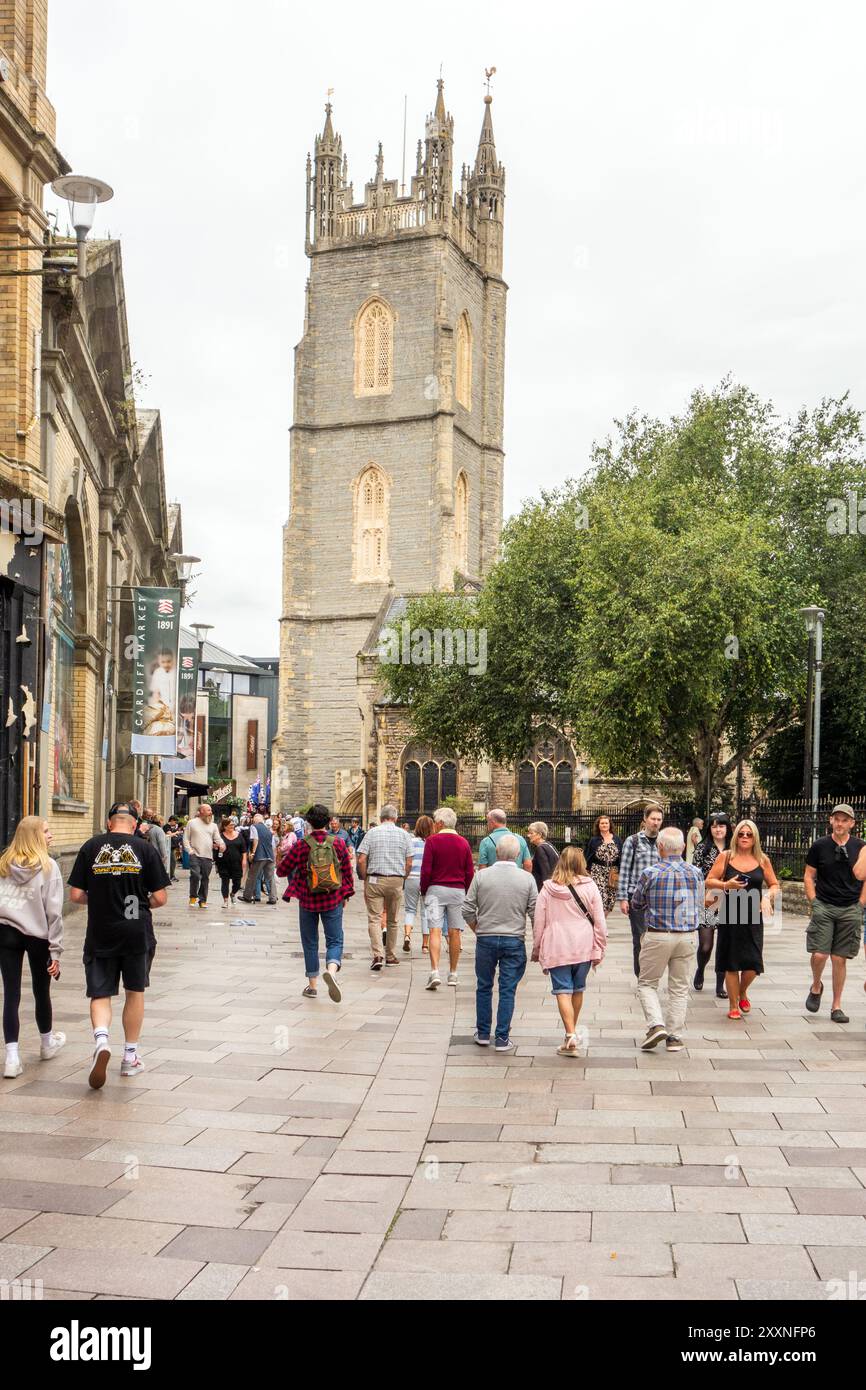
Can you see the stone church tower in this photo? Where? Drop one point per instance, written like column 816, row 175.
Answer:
column 396, row 452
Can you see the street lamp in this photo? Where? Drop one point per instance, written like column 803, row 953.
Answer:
column 201, row 631
column 814, row 620
column 183, row 564
column 82, row 195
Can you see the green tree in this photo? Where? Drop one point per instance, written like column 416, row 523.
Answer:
column 651, row 607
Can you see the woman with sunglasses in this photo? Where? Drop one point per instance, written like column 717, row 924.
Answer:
column 716, row 840
column 737, row 882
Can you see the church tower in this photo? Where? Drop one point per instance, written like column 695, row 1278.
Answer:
column 396, row 446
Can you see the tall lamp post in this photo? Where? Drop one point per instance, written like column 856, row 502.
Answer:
column 814, row 620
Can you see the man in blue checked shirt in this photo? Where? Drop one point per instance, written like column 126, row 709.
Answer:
column 669, row 896
column 639, row 852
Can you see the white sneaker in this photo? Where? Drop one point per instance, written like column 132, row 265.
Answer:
column 131, row 1066
column 434, row 981
column 225, row 907
column 452, row 977
column 51, row 1049
column 12, row 1068
column 101, row 1058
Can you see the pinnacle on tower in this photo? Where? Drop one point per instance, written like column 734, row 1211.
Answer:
column 486, row 163
column 439, row 113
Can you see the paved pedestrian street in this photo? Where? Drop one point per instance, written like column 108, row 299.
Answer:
column 280, row 1148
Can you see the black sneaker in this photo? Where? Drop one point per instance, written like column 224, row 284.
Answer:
column 378, row 962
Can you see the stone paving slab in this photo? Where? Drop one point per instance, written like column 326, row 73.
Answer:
column 277, row 1148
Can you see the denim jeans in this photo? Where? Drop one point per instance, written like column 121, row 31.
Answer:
column 509, row 953
column 332, row 924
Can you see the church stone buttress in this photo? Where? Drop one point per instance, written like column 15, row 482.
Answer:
column 396, row 446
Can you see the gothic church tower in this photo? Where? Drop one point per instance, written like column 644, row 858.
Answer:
column 396, row 448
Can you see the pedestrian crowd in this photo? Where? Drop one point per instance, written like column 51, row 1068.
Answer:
column 685, row 897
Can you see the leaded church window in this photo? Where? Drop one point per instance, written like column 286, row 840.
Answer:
column 374, row 350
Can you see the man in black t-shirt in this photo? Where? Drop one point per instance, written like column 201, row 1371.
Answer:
column 835, row 884
column 120, row 877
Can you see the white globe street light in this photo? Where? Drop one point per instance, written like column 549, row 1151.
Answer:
column 82, row 195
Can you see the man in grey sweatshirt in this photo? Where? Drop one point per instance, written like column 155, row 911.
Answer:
column 496, row 908
column 200, row 839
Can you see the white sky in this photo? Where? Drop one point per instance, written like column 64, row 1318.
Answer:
column 686, row 197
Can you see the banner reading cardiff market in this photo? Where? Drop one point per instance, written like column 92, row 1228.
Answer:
column 187, row 689
column 154, row 710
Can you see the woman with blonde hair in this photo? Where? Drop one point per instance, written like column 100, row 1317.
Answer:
column 31, row 923
column 738, row 883
column 569, row 938
column 412, row 900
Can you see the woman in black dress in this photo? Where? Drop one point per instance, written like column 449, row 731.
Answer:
column 603, row 852
column 738, row 881
column 716, row 840
column 232, row 861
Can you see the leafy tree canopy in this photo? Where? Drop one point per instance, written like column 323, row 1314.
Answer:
column 651, row 607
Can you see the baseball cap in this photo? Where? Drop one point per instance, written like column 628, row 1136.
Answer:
column 843, row 809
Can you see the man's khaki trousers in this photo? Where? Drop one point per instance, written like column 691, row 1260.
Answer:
column 381, row 890
column 675, row 952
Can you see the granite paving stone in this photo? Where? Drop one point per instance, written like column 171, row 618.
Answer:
column 376, row 1148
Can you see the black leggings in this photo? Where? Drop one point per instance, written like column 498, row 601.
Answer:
column 230, row 880
column 706, row 936
column 13, row 945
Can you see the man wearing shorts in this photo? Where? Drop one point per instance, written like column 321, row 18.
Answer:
column 835, row 884
column 120, row 877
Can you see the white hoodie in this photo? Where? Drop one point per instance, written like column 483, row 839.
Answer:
column 32, row 901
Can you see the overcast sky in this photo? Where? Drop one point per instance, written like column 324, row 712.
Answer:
column 686, row 197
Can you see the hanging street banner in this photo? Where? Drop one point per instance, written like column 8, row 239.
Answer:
column 154, row 707
column 187, row 689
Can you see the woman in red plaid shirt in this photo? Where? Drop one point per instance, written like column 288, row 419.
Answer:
column 324, row 900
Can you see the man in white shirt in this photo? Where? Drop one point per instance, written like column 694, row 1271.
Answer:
column 200, row 838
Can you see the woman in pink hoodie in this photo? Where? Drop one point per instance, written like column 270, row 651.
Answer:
column 31, row 924
column 569, row 937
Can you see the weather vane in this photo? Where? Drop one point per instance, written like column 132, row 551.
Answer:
column 488, row 73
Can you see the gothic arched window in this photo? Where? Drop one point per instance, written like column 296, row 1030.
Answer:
column 412, row 789
column 564, row 786
column 371, row 525
column 526, row 787
column 461, row 523
column 374, row 349
column 463, row 374
column 430, row 786
column 429, row 779
column 544, row 786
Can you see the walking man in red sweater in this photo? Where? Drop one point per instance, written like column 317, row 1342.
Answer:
column 446, row 873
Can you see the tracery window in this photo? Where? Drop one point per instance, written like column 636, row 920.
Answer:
column 371, row 525
column 464, row 362
column 374, row 350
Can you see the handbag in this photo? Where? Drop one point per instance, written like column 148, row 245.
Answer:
column 613, row 879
